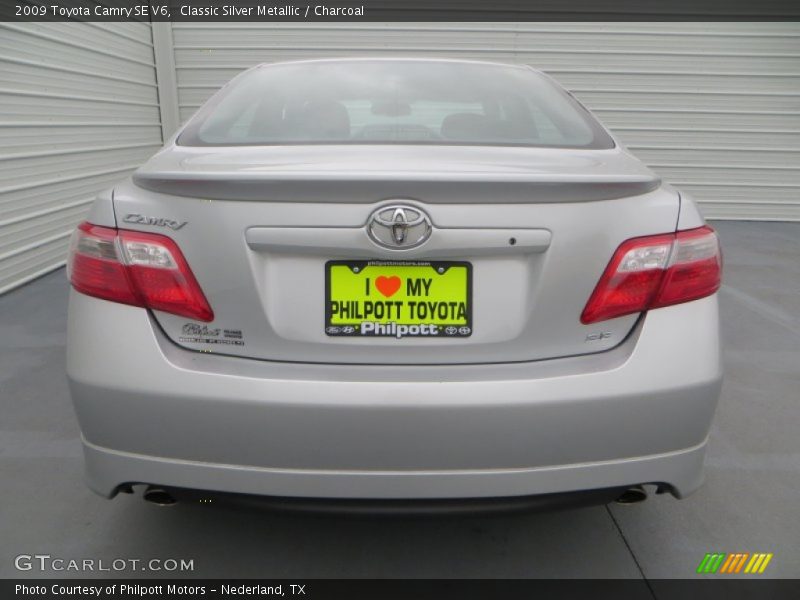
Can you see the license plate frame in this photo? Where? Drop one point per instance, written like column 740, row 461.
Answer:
column 407, row 321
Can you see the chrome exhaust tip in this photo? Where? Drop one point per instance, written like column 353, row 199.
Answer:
column 158, row 496
column 633, row 495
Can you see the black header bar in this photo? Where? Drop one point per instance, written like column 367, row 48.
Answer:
column 398, row 10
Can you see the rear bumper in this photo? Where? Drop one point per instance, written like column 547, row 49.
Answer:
column 154, row 413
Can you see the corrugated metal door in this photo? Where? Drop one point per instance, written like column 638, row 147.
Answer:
column 79, row 111
column 713, row 107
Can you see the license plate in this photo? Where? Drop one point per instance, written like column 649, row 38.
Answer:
column 398, row 299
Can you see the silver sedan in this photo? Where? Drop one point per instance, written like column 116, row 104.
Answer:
column 394, row 280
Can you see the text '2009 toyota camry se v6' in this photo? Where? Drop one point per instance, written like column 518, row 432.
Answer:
column 394, row 280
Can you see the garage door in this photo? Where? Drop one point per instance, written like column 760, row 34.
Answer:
column 79, row 111
column 713, row 107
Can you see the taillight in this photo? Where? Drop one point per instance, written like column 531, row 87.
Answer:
column 142, row 269
column 655, row 271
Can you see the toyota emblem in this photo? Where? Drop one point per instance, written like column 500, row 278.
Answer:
column 399, row 227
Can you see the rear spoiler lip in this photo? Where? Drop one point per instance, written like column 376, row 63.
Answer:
column 361, row 187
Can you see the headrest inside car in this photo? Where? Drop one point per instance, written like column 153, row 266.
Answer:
column 326, row 119
column 466, row 126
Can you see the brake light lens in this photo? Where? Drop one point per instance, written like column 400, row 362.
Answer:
column 656, row 271
column 141, row 269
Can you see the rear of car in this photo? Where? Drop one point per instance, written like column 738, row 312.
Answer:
column 394, row 279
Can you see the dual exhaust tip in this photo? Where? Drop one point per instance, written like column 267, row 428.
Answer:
column 161, row 497
column 158, row 496
column 633, row 495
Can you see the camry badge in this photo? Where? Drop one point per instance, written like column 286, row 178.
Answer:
column 154, row 221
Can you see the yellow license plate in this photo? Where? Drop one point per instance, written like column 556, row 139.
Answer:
column 398, row 298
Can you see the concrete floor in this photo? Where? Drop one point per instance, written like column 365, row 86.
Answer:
column 749, row 503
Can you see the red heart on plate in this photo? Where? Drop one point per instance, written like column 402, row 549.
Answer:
column 388, row 286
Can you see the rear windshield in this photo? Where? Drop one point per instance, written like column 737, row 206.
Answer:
column 394, row 102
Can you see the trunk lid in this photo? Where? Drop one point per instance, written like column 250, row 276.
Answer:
column 259, row 225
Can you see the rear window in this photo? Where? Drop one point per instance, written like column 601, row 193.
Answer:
column 394, row 102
